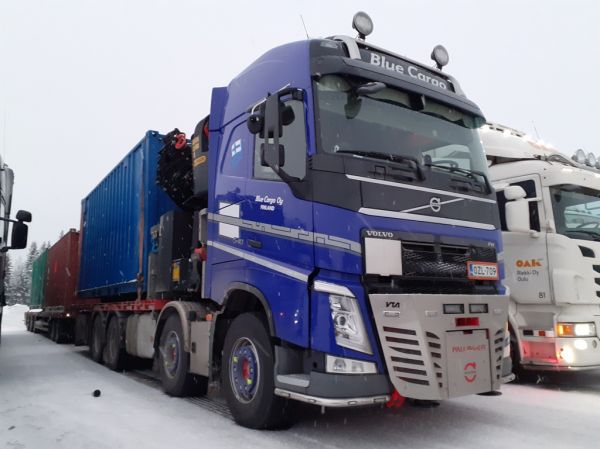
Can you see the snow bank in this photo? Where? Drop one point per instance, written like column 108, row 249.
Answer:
column 13, row 318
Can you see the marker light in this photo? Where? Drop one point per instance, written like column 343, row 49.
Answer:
column 454, row 308
column 362, row 23
column 348, row 325
column 478, row 308
column 579, row 156
column 575, row 329
column 590, row 160
column 440, row 56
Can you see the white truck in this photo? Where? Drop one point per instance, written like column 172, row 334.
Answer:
column 550, row 215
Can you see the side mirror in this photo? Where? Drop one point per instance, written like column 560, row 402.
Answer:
column 18, row 237
column 516, row 209
column 514, row 193
column 256, row 123
column 272, row 156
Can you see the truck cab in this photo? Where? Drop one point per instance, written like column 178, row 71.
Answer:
column 353, row 205
column 550, row 216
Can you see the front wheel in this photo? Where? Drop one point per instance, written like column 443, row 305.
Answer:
column 247, row 376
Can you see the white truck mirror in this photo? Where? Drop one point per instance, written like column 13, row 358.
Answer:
column 514, row 193
column 516, row 209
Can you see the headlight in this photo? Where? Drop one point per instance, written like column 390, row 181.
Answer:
column 575, row 329
column 348, row 324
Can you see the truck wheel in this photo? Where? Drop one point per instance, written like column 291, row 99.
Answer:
column 174, row 362
column 114, row 354
column 97, row 343
column 53, row 331
column 247, row 375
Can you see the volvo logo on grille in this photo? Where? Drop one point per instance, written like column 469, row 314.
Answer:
column 435, row 203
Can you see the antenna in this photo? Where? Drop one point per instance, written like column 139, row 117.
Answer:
column 304, row 25
column 535, row 129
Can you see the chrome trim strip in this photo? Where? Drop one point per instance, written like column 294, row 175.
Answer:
column 427, row 206
column 260, row 261
column 416, row 217
column 326, row 287
column 422, row 189
column 290, row 233
column 330, row 402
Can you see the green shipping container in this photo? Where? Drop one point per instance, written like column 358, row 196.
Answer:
column 38, row 280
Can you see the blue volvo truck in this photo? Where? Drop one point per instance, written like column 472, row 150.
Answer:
column 327, row 235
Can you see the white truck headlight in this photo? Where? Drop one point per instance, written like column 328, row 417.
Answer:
column 575, row 329
column 348, row 324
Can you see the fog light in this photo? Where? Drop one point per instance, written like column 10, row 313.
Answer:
column 567, row 354
column 341, row 365
column 582, row 345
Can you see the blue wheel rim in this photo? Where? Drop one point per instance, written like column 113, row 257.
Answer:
column 244, row 370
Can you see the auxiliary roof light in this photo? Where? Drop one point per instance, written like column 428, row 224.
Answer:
column 362, row 23
column 579, row 156
column 440, row 56
column 591, row 160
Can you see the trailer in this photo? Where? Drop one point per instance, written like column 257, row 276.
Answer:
column 549, row 211
column 315, row 240
column 54, row 290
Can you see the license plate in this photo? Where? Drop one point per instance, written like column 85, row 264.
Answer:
column 482, row 271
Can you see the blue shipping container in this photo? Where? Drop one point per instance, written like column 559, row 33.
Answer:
column 116, row 218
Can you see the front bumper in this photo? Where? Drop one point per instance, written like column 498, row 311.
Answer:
column 429, row 355
column 560, row 354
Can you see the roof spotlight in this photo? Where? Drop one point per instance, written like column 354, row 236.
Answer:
column 591, row 159
column 440, row 56
column 579, row 156
column 362, row 23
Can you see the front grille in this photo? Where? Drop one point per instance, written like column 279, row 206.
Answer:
column 408, row 363
column 441, row 261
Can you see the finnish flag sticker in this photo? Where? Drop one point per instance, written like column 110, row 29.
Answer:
column 236, row 148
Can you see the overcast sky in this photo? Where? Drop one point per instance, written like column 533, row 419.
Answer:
column 81, row 81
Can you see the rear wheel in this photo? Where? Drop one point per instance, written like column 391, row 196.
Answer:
column 174, row 362
column 247, row 376
column 114, row 354
column 97, row 340
column 53, row 331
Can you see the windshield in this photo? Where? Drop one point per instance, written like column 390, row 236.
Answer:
column 394, row 122
column 576, row 211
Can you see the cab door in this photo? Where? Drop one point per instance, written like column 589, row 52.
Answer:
column 277, row 230
column 525, row 253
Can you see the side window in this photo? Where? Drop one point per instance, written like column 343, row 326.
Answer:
column 294, row 142
column 534, row 214
column 235, row 154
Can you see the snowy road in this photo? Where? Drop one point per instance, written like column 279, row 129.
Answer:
column 46, row 402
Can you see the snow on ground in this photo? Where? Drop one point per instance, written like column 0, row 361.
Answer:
column 46, row 402
column 13, row 318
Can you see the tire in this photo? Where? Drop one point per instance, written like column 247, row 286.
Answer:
column 114, row 354
column 174, row 362
column 53, row 331
column 97, row 340
column 247, row 376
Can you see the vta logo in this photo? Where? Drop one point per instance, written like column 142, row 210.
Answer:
column 435, row 203
column 470, row 370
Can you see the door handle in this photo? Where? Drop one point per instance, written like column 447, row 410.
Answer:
column 254, row 244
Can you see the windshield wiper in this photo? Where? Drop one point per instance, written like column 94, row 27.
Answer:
column 397, row 158
column 466, row 172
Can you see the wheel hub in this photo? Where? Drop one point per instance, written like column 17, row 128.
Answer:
column 244, row 370
column 171, row 354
